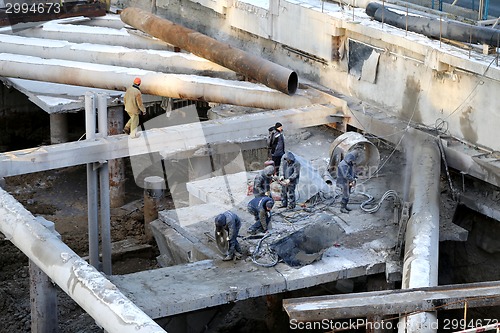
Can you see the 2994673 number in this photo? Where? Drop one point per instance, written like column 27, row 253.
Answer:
column 36, row 8
column 462, row 324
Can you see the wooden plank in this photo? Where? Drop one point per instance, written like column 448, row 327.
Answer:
column 388, row 302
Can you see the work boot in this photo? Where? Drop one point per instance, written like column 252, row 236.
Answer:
column 126, row 130
column 252, row 231
column 344, row 209
column 229, row 257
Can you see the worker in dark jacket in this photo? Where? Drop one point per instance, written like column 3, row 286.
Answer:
column 262, row 182
column 260, row 208
column 346, row 178
column 132, row 101
column 277, row 146
column 232, row 223
column 289, row 178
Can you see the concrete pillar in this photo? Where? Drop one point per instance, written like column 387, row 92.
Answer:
column 58, row 128
column 116, row 166
column 420, row 266
column 201, row 168
column 154, row 197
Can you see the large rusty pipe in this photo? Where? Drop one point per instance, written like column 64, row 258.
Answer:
column 268, row 73
column 159, row 84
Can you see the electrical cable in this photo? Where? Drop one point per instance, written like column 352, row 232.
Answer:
column 388, row 194
column 256, row 251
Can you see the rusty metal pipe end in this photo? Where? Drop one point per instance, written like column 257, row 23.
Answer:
column 293, row 83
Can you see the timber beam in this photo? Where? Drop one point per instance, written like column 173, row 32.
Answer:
column 388, row 302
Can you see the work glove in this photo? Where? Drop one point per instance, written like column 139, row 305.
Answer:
column 286, row 181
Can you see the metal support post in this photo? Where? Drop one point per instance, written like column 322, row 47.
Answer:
column 102, row 111
column 43, row 295
column 92, row 201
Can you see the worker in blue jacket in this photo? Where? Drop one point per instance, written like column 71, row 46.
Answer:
column 346, row 178
column 232, row 223
column 260, row 208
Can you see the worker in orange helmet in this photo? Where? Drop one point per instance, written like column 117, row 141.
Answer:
column 133, row 104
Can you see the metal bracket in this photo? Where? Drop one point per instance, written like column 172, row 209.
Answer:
column 403, row 221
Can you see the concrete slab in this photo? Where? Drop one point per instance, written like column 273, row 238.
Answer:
column 173, row 290
column 363, row 245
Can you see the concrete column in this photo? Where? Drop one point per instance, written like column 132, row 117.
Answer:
column 58, row 128
column 420, row 266
column 116, row 166
column 154, row 197
column 201, row 168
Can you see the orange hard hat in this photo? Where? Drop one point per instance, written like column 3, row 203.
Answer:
column 137, row 81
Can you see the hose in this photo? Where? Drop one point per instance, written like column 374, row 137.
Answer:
column 275, row 261
column 389, row 194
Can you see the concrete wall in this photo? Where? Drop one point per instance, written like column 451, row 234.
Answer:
column 408, row 74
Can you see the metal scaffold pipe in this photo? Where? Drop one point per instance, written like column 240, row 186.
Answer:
column 268, row 73
column 83, row 283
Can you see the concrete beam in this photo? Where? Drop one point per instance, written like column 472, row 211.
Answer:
column 460, row 156
column 180, row 138
column 388, row 302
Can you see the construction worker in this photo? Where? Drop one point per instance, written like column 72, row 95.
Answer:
column 289, row 177
column 260, row 208
column 232, row 223
column 346, row 178
column 277, row 146
column 262, row 182
column 133, row 104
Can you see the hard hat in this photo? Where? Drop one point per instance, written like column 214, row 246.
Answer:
column 137, row 81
